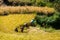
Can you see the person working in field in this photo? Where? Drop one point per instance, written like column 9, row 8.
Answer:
column 27, row 25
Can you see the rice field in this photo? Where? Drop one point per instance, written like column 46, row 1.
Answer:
column 9, row 22
column 31, row 36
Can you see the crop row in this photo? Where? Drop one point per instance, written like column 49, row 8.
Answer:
column 25, row 9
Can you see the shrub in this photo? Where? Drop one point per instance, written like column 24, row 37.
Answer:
column 41, row 3
column 55, row 4
column 53, row 20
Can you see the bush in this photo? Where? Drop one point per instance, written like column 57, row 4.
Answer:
column 55, row 4
column 41, row 3
column 53, row 20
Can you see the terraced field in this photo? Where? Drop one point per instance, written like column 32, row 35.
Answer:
column 10, row 22
column 26, row 9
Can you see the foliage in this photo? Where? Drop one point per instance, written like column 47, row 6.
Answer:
column 41, row 3
column 49, row 20
column 54, row 3
column 49, row 3
column 57, row 5
column 25, row 2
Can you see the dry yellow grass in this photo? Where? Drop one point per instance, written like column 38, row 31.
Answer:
column 22, row 9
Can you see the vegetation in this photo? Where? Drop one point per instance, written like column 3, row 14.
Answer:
column 49, row 20
column 27, row 2
column 45, row 13
column 30, row 36
column 10, row 22
column 25, row 9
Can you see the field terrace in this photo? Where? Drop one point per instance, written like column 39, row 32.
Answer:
column 26, row 9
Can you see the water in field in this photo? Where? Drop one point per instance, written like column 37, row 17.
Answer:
column 11, row 21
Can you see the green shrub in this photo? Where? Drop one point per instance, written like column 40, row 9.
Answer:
column 53, row 3
column 41, row 3
column 53, row 20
